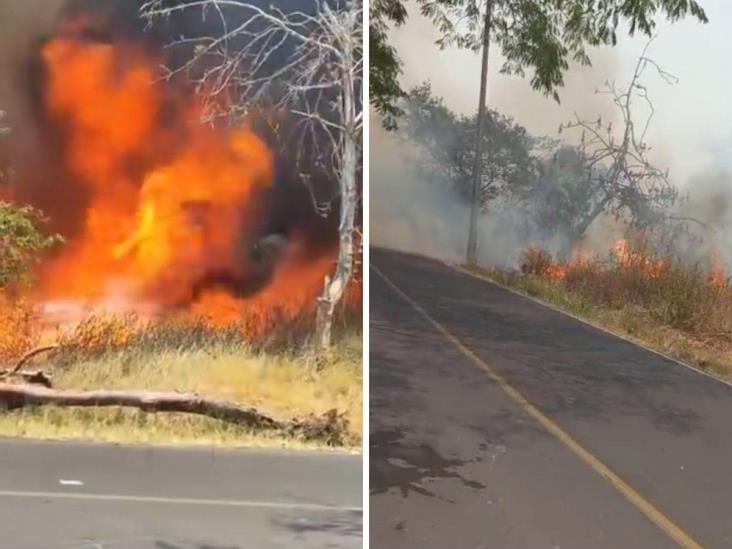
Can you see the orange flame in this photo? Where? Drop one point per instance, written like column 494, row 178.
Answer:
column 165, row 202
column 717, row 275
column 625, row 256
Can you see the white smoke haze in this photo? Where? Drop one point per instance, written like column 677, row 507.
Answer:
column 413, row 215
column 691, row 134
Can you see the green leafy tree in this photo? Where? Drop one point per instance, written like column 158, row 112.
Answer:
column 21, row 242
column 540, row 36
column 384, row 88
column 21, row 238
column 447, row 145
column 546, row 36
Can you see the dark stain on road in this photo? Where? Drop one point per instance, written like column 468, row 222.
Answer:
column 408, row 467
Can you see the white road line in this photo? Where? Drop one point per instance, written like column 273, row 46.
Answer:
column 64, row 482
column 178, row 501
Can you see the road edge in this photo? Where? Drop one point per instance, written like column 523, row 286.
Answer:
column 221, row 448
column 586, row 322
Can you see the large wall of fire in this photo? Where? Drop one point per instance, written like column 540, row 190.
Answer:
column 156, row 207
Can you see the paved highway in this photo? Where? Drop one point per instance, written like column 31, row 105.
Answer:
column 74, row 496
column 497, row 422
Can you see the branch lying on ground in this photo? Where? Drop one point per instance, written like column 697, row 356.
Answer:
column 32, row 353
column 35, row 377
column 26, row 357
column 331, row 426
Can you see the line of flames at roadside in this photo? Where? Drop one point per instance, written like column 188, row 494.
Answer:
column 623, row 256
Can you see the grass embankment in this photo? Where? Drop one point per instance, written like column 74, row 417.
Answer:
column 283, row 379
column 679, row 309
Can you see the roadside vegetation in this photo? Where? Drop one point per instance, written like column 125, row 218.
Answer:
column 246, row 353
column 679, row 308
column 278, row 377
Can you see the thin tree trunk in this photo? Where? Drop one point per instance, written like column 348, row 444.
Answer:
column 335, row 287
column 472, row 252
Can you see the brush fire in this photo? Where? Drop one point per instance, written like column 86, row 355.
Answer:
column 161, row 213
column 624, row 256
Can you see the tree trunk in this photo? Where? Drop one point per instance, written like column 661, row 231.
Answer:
column 472, row 252
column 13, row 397
column 331, row 427
column 335, row 287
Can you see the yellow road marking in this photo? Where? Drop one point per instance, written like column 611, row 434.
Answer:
column 176, row 501
column 646, row 507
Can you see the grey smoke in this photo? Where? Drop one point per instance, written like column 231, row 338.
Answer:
column 414, row 215
column 689, row 134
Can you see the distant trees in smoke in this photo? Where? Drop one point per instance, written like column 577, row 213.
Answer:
column 448, row 142
column 561, row 187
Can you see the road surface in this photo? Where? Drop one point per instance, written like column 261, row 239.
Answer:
column 70, row 495
column 497, row 422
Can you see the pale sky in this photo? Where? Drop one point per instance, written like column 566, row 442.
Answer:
column 692, row 129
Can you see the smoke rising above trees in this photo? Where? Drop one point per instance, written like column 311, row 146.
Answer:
column 543, row 189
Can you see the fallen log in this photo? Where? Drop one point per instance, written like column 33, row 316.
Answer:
column 13, row 397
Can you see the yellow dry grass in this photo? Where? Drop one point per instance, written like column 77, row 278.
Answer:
column 113, row 353
column 679, row 312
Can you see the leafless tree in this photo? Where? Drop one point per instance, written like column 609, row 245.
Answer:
column 306, row 62
column 616, row 160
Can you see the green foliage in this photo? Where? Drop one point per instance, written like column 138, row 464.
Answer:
column 385, row 66
column 546, row 36
column 541, row 36
column 448, row 142
column 21, row 242
column 21, row 238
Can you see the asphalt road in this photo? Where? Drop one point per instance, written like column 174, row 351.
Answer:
column 498, row 422
column 69, row 496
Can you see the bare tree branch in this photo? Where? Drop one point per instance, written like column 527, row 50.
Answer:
column 318, row 80
column 617, row 163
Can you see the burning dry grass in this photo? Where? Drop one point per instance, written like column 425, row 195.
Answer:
column 182, row 223
column 274, row 373
column 680, row 309
column 19, row 328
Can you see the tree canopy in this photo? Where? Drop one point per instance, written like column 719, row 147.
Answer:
column 385, row 66
column 543, row 37
column 448, row 141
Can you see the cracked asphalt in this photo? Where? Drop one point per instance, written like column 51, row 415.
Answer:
column 457, row 460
